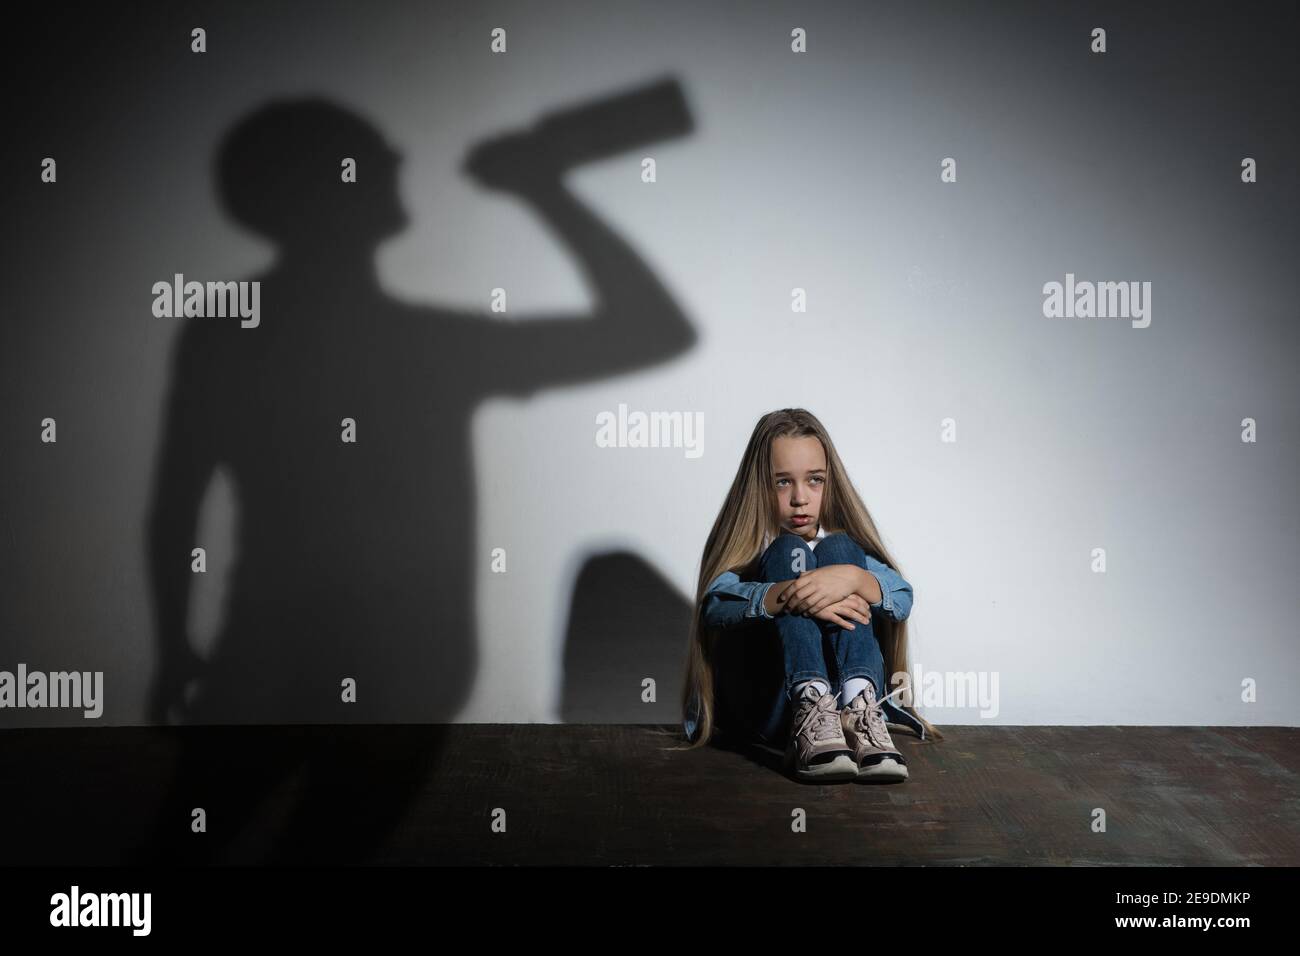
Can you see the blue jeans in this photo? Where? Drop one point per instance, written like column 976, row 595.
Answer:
column 760, row 664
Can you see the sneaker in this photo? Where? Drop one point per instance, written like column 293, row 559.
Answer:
column 873, row 750
column 817, row 748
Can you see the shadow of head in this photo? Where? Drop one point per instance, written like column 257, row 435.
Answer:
column 309, row 172
column 627, row 626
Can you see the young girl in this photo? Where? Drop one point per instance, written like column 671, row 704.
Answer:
column 800, row 614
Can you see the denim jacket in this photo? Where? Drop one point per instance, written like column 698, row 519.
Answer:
column 730, row 601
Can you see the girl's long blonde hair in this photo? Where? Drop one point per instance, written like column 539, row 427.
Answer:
column 747, row 520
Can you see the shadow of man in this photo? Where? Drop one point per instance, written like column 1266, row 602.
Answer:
column 355, row 559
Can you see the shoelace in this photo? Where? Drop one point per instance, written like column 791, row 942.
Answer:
column 824, row 717
column 871, row 720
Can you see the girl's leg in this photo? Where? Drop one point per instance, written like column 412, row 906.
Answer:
column 857, row 652
column 801, row 638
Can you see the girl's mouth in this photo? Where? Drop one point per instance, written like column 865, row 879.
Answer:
column 800, row 520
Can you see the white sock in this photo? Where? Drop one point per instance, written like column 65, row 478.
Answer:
column 852, row 688
column 822, row 688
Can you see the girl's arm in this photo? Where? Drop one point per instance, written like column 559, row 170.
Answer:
column 771, row 604
column 731, row 601
column 885, row 590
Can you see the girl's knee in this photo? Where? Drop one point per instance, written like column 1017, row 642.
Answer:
column 786, row 540
column 778, row 560
column 840, row 548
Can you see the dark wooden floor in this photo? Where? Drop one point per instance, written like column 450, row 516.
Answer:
column 616, row 795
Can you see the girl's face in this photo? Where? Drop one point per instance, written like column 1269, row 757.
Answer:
column 798, row 477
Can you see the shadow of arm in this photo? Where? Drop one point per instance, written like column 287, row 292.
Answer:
column 636, row 324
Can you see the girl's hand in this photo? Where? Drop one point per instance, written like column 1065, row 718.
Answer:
column 821, row 587
column 844, row 613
